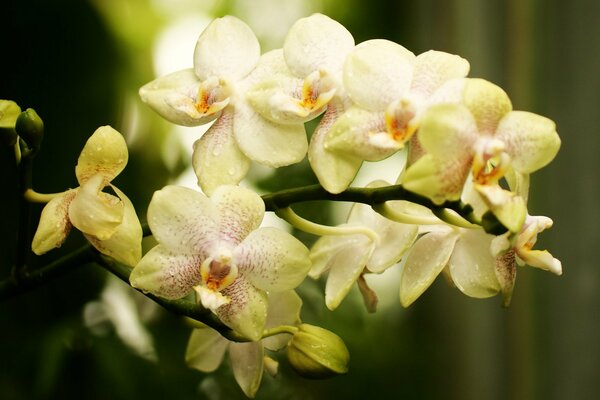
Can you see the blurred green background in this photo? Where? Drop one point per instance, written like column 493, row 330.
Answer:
column 79, row 64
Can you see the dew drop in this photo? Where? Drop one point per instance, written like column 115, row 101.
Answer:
column 231, row 171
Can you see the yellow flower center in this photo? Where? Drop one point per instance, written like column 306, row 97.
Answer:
column 400, row 121
column 217, row 274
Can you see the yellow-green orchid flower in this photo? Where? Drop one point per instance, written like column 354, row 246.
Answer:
column 108, row 222
column 206, row 348
column 214, row 246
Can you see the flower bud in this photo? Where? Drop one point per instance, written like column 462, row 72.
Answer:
column 9, row 111
column 315, row 352
column 30, row 128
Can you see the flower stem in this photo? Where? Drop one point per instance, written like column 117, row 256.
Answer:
column 322, row 230
column 278, row 330
column 34, row 197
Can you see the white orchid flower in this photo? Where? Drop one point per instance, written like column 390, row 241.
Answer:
column 227, row 63
column 481, row 136
column 215, row 247
column 206, row 348
column 389, row 88
column 346, row 257
column 108, row 222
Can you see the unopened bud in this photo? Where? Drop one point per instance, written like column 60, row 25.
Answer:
column 317, row 353
column 9, row 111
column 30, row 128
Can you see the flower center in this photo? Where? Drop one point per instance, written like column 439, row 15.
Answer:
column 400, row 121
column 217, row 274
column 212, row 96
column 316, row 92
column 490, row 161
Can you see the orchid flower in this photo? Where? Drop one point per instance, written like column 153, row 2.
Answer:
column 389, row 88
column 484, row 137
column 214, row 246
column 206, row 347
column 227, row 63
column 108, row 222
column 346, row 257
column 479, row 264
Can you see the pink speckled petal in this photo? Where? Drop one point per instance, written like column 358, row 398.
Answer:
column 246, row 312
column 272, row 259
column 183, row 220
column 240, row 212
column 166, row 274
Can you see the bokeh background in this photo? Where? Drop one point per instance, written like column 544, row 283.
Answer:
column 79, row 64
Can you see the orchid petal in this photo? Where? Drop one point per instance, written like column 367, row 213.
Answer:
column 361, row 133
column 423, row 263
column 509, row 208
column 206, row 349
column 227, row 48
column 166, row 274
column 272, row 259
column 335, row 171
column 378, row 72
column 125, row 245
column 541, row 259
column 434, row 68
column 246, row 313
column 217, row 158
column 448, row 133
column 395, row 238
column 284, row 309
column 183, row 220
column 54, row 225
column 247, row 365
column 487, row 102
column 506, row 273
column 265, row 142
column 240, row 212
column 173, row 97
column 346, row 266
column 316, row 43
column 325, row 249
column 95, row 212
column 104, row 153
column 531, row 140
column 472, row 265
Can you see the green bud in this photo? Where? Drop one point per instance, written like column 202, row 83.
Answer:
column 317, row 353
column 9, row 111
column 30, row 128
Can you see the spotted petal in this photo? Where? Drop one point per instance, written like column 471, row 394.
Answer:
column 377, row 73
column 472, row 266
column 240, row 212
column 206, row 349
column 166, row 274
column 317, row 43
column 423, row 263
column 227, row 48
column 183, row 220
column 94, row 212
column 246, row 313
column 105, row 153
column 125, row 245
column 54, row 225
column 272, row 259
column 531, row 140
column 217, row 158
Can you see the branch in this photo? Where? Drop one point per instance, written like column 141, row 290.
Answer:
column 371, row 196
